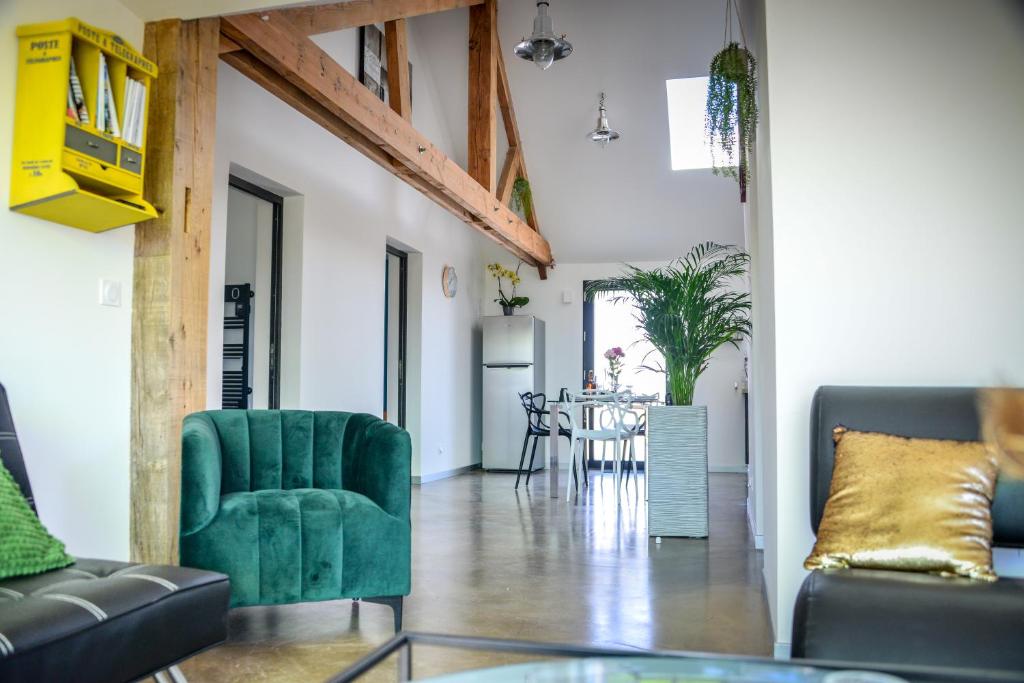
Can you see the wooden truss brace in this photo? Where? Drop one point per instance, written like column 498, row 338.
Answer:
column 276, row 52
column 515, row 162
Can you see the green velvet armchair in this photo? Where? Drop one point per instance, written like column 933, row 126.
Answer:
column 298, row 506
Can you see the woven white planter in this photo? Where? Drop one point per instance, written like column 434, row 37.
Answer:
column 677, row 471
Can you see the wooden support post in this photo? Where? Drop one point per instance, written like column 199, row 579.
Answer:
column 397, row 48
column 483, row 94
column 171, row 278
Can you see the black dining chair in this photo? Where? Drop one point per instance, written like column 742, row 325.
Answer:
column 537, row 427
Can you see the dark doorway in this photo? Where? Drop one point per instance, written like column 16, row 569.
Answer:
column 252, row 329
column 396, row 287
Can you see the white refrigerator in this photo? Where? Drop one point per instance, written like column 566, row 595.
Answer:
column 513, row 363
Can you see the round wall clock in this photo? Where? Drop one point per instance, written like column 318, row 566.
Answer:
column 449, row 281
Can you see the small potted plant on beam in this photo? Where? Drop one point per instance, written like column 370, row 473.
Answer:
column 509, row 303
column 687, row 310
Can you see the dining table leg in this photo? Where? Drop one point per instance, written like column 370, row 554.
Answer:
column 553, row 452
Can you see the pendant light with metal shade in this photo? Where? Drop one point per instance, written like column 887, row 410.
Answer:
column 603, row 134
column 543, row 47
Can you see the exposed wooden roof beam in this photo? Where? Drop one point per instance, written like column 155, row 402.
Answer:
column 227, row 45
column 508, row 112
column 508, row 175
column 336, row 16
column 284, row 50
column 397, row 48
column 483, row 94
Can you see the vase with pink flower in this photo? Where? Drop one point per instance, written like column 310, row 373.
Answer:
column 614, row 356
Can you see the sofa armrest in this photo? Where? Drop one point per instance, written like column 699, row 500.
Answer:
column 381, row 466
column 200, row 473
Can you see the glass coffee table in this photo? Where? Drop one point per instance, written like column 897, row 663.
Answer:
column 584, row 664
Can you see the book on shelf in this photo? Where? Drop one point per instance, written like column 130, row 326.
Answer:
column 134, row 105
column 110, row 109
column 76, row 99
column 72, row 110
column 101, row 96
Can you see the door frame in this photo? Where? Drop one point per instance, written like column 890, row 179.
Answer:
column 277, row 202
column 403, row 327
column 589, row 317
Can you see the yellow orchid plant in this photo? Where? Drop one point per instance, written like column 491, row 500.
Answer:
column 501, row 273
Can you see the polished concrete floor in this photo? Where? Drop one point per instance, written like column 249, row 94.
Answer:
column 490, row 561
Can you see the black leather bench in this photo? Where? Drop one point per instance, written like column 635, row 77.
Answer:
column 100, row 620
column 898, row 617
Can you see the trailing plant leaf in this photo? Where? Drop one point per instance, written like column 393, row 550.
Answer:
column 686, row 310
column 731, row 114
column 522, row 196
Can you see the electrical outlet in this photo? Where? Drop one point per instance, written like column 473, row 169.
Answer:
column 110, row 293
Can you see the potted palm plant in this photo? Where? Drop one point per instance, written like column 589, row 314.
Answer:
column 687, row 310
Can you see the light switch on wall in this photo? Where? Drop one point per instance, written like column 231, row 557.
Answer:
column 110, row 293
column 566, row 296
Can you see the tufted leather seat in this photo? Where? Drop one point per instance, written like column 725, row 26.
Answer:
column 107, row 621
column 99, row 621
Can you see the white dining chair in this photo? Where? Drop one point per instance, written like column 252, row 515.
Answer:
column 611, row 429
column 635, row 424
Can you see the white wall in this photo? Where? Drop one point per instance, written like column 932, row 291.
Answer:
column 66, row 360
column 897, row 231
column 757, row 218
column 351, row 207
column 565, row 350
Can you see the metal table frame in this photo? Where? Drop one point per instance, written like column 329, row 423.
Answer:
column 403, row 645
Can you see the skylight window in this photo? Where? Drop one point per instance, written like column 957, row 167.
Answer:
column 687, row 99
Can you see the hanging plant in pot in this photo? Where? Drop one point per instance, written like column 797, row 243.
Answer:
column 522, row 196
column 509, row 303
column 687, row 310
column 731, row 114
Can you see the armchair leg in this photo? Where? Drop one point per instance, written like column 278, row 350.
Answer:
column 395, row 603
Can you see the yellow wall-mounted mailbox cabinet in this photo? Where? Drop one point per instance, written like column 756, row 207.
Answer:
column 70, row 166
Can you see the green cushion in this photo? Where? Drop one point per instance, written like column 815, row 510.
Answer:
column 26, row 547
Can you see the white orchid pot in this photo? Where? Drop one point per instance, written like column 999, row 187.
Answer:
column 677, row 471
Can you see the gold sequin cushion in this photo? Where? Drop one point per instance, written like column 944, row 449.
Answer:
column 921, row 505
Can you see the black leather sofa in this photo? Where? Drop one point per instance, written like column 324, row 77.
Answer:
column 100, row 621
column 897, row 617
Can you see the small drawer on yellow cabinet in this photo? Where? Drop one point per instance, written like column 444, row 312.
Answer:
column 101, row 177
column 84, row 142
column 131, row 160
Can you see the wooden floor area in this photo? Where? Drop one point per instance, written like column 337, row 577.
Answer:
column 490, row 561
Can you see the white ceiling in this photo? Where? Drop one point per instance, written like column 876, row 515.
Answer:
column 621, row 203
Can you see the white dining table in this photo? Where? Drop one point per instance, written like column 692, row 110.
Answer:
column 556, row 409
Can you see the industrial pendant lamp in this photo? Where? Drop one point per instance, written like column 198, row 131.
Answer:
column 543, row 48
column 603, row 134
